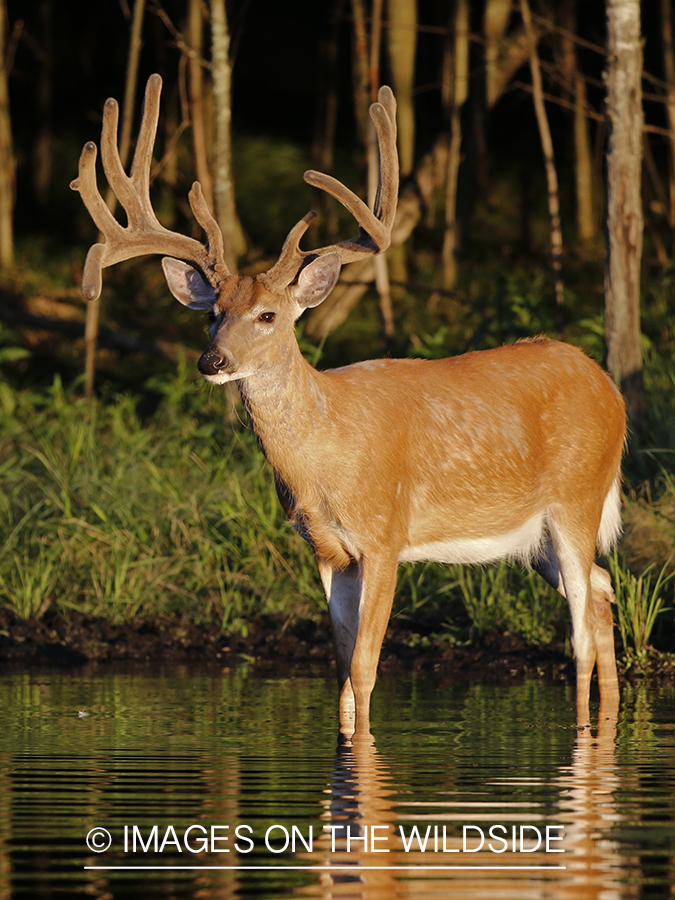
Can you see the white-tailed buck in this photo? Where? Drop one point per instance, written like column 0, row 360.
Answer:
column 513, row 452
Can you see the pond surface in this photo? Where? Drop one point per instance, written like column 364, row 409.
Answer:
column 199, row 785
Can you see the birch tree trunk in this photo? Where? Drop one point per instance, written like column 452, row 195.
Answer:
column 402, row 41
column 223, row 183
column 495, row 22
column 624, row 201
column 583, row 156
column 549, row 159
column 195, row 36
column 669, row 71
column 42, row 151
column 458, row 92
column 414, row 199
column 6, row 151
column 131, row 84
column 381, row 268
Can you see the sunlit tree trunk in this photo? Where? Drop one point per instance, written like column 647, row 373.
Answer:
column 381, row 267
column 360, row 70
column 624, row 201
column 325, row 118
column 6, row 150
column 414, row 199
column 511, row 52
column 131, row 85
column 495, row 22
column 223, row 183
column 402, row 44
column 195, row 39
column 456, row 88
column 549, row 159
column 583, row 157
column 669, row 71
column 366, row 79
column 401, row 38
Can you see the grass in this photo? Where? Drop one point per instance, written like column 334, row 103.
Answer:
column 148, row 502
column 114, row 513
column 108, row 514
column 639, row 603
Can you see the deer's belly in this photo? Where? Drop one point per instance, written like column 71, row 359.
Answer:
column 522, row 542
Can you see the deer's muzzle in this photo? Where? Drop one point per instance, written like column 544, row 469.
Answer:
column 213, row 362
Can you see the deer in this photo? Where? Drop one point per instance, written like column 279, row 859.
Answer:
column 504, row 453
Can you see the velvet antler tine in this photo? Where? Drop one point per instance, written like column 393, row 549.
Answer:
column 384, row 121
column 284, row 271
column 143, row 234
column 140, row 167
column 214, row 235
column 86, row 185
column 92, row 274
column 118, row 179
column 374, row 224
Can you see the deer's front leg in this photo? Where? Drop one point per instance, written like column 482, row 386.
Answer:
column 378, row 584
column 343, row 593
column 359, row 601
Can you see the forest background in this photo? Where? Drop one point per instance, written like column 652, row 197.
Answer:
column 537, row 140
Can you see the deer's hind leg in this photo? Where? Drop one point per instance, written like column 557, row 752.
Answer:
column 588, row 590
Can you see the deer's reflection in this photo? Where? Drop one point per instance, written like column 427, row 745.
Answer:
column 588, row 804
column 358, row 818
column 361, row 853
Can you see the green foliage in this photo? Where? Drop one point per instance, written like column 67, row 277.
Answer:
column 271, row 193
column 466, row 601
column 639, row 603
column 9, row 351
column 108, row 514
column 509, row 599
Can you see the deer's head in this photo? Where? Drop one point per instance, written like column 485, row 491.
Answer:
column 250, row 316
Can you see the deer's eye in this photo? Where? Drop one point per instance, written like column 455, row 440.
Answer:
column 267, row 317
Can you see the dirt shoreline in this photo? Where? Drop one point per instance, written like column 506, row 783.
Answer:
column 76, row 640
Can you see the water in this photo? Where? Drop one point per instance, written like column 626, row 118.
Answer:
column 203, row 781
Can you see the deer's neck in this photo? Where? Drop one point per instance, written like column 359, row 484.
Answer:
column 288, row 408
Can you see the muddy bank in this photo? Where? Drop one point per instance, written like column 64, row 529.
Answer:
column 74, row 640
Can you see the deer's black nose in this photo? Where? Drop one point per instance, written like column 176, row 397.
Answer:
column 212, row 362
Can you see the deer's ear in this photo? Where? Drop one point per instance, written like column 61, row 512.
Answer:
column 317, row 280
column 187, row 284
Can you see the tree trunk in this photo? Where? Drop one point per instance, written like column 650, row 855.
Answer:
column 583, row 157
column 624, row 202
column 669, row 71
column 402, row 41
column 94, row 306
column 415, row 196
column 513, row 52
column 223, row 183
column 195, row 38
column 6, row 151
column 457, row 97
column 325, row 118
column 495, row 22
column 549, row 159
column 42, row 151
column 366, row 76
column 381, row 268
column 360, row 71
